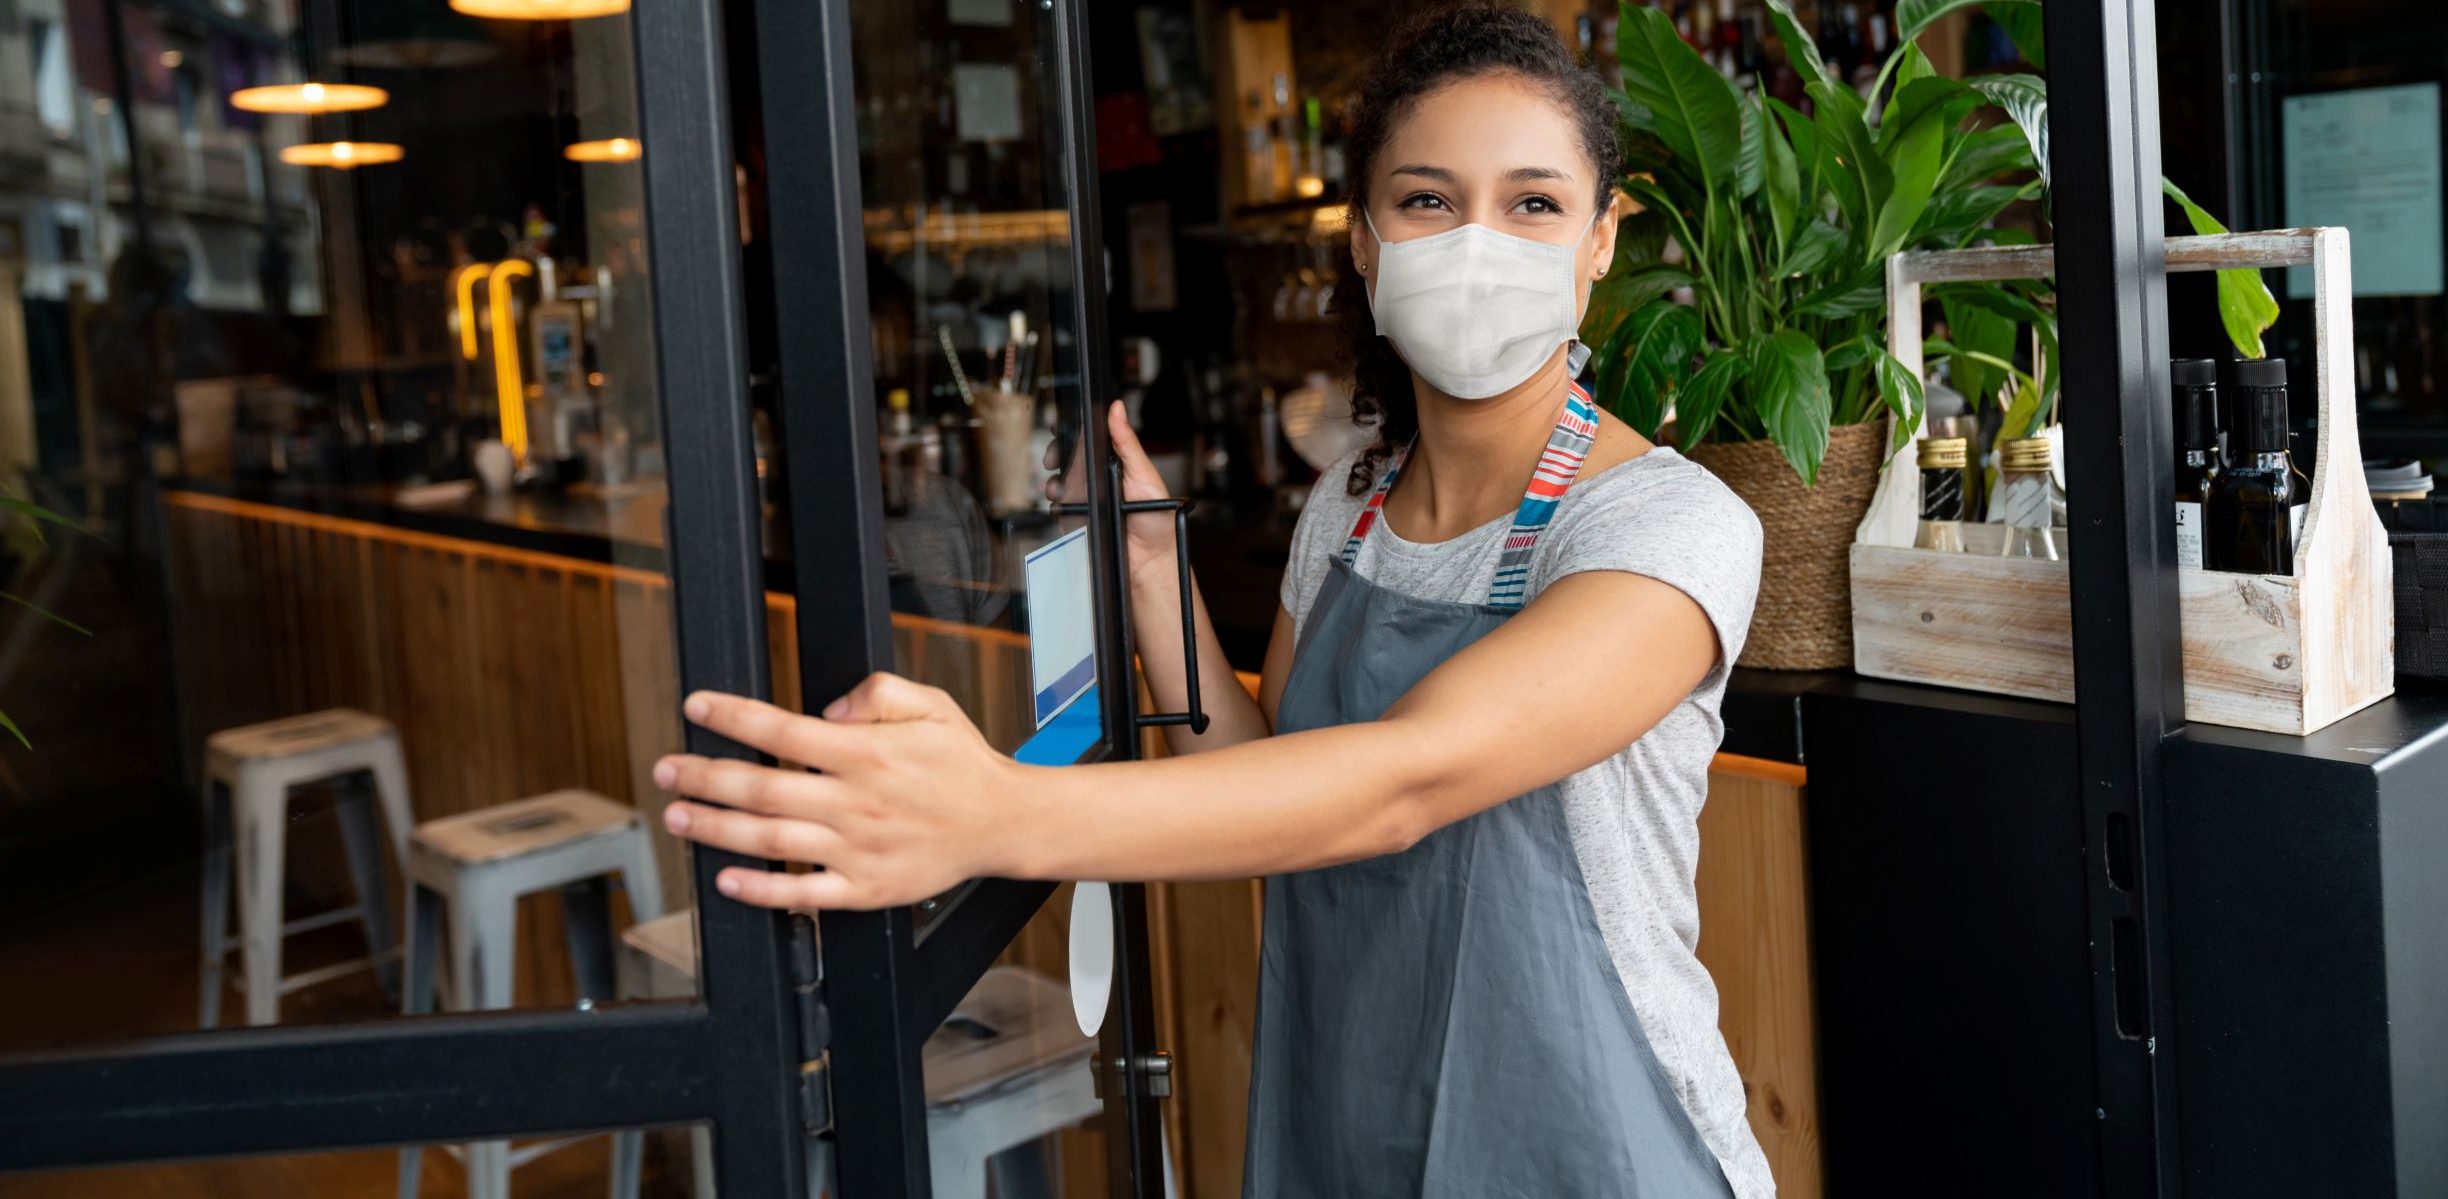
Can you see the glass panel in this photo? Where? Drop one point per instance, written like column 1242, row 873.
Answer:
column 969, row 267
column 325, row 349
column 550, row 1168
column 1012, row 1059
column 977, row 356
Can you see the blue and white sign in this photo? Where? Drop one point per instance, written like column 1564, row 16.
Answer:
column 1062, row 652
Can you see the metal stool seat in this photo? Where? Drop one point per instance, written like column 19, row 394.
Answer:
column 477, row 865
column 1008, row 1067
column 248, row 775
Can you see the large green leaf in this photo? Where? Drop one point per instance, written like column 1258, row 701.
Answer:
column 1900, row 390
column 1788, row 387
column 1640, row 238
column 1911, row 64
column 1956, row 212
column 1929, row 99
column 1623, row 293
column 14, row 731
column 1865, row 290
column 1688, row 104
column 2025, row 99
column 2246, row 307
column 1810, row 156
column 1913, row 160
column 1819, row 246
column 1801, row 53
column 1704, row 396
column 1913, row 16
column 1752, row 162
column 1847, row 355
column 1644, row 154
column 1984, row 154
column 2023, row 25
column 1653, row 351
column 1781, row 177
column 1978, row 328
column 1855, row 171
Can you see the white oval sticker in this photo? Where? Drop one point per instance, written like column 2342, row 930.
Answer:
column 1092, row 954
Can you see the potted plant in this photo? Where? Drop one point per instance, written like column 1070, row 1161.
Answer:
column 1778, row 224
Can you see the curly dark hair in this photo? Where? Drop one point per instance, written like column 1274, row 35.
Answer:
column 1431, row 50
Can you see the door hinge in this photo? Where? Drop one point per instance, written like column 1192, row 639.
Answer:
column 1155, row 1074
column 815, row 1025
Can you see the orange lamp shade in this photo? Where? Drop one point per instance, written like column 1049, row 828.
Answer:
column 539, row 10
column 309, row 98
column 341, row 155
column 610, row 149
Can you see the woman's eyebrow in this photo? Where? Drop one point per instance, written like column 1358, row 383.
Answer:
column 1525, row 174
column 1425, row 171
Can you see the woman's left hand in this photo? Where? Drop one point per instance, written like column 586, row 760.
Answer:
column 911, row 801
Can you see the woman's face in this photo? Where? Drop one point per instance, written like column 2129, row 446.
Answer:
column 1491, row 150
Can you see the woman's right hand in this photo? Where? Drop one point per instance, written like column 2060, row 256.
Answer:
column 1149, row 535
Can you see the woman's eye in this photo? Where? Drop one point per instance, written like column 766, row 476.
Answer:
column 1541, row 205
column 1422, row 200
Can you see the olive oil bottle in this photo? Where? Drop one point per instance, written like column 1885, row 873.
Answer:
column 2251, row 517
column 2195, row 382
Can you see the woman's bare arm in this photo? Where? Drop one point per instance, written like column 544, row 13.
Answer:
column 912, row 800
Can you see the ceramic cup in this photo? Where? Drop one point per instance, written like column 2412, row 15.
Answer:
column 494, row 466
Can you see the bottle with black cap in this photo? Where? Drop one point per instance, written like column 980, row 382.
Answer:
column 2251, row 517
column 2195, row 382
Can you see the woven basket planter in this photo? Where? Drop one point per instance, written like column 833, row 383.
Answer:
column 1805, row 616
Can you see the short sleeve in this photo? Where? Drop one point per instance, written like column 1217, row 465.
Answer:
column 1671, row 521
column 1325, row 520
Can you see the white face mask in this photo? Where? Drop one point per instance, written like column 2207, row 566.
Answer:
column 1475, row 311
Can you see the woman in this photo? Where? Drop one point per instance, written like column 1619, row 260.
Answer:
column 1474, row 766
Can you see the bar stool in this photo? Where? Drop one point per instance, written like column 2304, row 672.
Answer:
column 477, row 865
column 248, row 774
column 1008, row 1067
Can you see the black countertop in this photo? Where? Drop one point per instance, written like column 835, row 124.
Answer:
column 1240, row 560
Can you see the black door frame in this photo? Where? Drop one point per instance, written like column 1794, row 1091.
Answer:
column 2103, row 80
column 888, row 981
column 731, row 1057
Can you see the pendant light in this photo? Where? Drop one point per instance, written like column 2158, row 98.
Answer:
column 309, row 98
column 341, row 155
column 539, row 10
column 610, row 149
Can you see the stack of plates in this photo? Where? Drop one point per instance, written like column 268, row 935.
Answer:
column 2397, row 479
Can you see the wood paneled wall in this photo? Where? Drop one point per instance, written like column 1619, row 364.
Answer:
column 510, row 673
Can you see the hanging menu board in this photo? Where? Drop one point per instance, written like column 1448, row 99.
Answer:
column 2369, row 160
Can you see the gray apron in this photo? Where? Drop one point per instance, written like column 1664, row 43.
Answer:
column 1446, row 1021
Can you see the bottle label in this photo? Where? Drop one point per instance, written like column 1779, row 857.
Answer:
column 2189, row 535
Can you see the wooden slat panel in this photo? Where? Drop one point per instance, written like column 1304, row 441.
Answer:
column 1755, row 941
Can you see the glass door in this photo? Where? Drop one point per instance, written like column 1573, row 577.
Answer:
column 376, row 350
column 941, row 364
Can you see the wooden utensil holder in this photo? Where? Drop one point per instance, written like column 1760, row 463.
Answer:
column 2281, row 653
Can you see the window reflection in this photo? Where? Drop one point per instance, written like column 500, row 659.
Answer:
column 326, row 354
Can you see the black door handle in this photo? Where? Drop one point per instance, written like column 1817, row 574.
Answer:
column 1196, row 717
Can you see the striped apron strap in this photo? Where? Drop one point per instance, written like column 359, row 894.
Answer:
column 1375, row 506
column 1576, row 430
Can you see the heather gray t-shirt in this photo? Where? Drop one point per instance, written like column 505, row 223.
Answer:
column 1633, row 816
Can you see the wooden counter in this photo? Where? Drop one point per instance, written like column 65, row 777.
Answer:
column 512, row 671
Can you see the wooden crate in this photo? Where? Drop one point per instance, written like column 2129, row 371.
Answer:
column 2282, row 653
